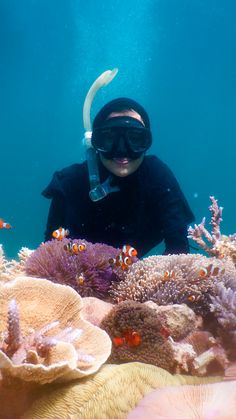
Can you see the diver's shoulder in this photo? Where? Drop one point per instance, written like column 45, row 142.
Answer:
column 156, row 165
column 73, row 171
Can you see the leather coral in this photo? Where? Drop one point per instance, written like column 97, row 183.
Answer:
column 43, row 337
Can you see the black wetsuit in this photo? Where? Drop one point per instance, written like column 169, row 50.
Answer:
column 149, row 208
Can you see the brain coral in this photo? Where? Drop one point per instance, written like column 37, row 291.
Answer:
column 88, row 272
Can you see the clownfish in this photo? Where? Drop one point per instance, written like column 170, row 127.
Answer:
column 75, row 248
column 4, row 225
column 129, row 250
column 124, row 259
column 168, row 275
column 82, row 247
column 80, row 279
column 192, row 298
column 210, row 270
column 72, row 248
column 130, row 337
column 60, row 233
column 121, row 261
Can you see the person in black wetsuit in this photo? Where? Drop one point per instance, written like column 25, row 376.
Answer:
column 149, row 206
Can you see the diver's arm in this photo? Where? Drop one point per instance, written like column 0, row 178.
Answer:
column 56, row 216
column 177, row 242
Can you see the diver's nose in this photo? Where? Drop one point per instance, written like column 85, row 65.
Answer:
column 122, row 147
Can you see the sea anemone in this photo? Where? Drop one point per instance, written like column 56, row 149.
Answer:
column 137, row 335
column 174, row 279
column 88, row 272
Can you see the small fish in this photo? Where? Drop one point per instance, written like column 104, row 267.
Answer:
column 118, row 341
column 124, row 259
column 80, row 279
column 192, row 298
column 131, row 338
column 129, row 250
column 60, row 233
column 169, row 275
column 4, row 225
column 72, row 248
column 210, row 270
column 82, row 247
column 164, row 332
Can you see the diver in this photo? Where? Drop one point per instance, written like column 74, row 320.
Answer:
column 142, row 204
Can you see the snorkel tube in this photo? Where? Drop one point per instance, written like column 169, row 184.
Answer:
column 97, row 190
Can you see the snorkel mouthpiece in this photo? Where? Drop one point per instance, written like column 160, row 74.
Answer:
column 102, row 190
column 97, row 191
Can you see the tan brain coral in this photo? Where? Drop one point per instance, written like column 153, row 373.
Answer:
column 74, row 347
column 111, row 393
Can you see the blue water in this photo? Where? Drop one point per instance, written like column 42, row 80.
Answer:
column 176, row 57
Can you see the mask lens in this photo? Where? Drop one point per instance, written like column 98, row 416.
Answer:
column 103, row 139
column 138, row 139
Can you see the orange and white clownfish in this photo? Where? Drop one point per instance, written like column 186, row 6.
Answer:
column 168, row 275
column 129, row 250
column 4, row 225
column 121, row 261
column 60, row 233
column 210, row 270
column 75, row 248
column 82, row 247
column 124, row 259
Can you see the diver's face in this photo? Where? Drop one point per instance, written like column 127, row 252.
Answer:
column 123, row 166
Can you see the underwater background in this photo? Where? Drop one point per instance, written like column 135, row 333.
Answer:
column 176, row 57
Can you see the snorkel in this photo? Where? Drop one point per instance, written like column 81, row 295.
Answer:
column 97, row 191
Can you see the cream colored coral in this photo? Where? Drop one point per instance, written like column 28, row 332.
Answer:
column 40, row 302
column 94, row 309
column 10, row 269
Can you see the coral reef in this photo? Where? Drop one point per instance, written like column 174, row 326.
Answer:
column 88, row 272
column 211, row 401
column 112, row 392
column 139, row 333
column 175, row 279
column 9, row 269
column 132, row 317
column 33, row 350
column 214, row 243
column 179, row 320
column 94, row 310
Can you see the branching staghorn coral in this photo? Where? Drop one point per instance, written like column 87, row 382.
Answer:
column 88, row 272
column 214, row 243
column 174, row 279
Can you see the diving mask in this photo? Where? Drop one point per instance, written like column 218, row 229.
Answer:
column 121, row 136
